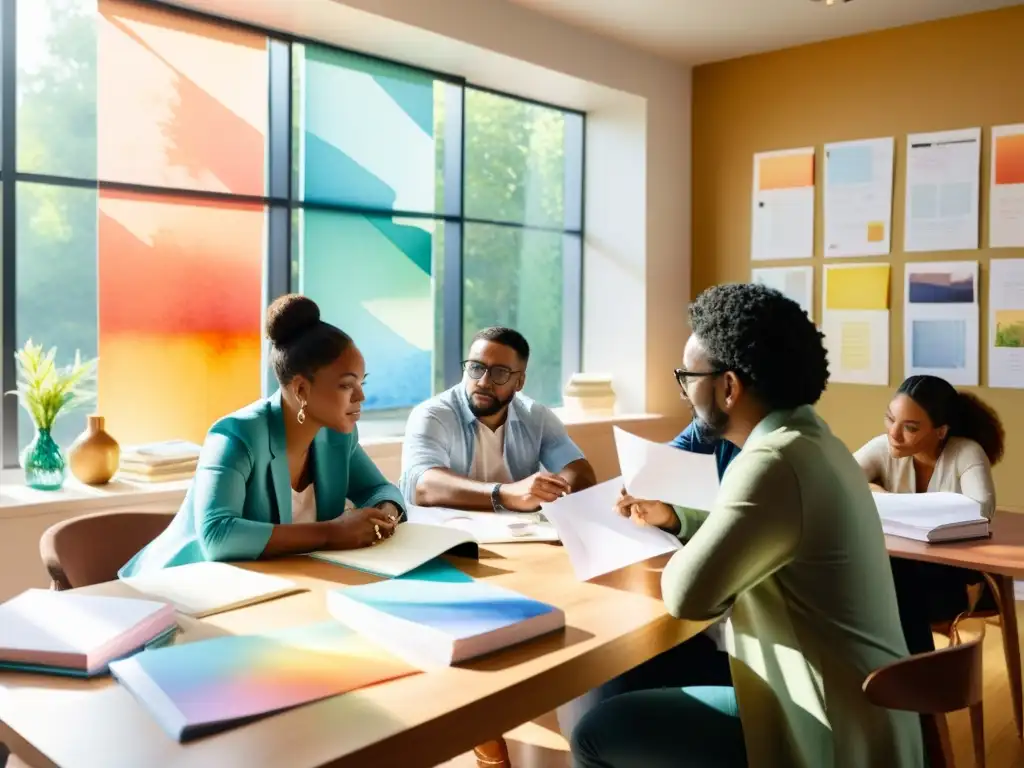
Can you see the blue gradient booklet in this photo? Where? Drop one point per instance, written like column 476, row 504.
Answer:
column 437, row 615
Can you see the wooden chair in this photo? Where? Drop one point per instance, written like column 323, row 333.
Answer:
column 934, row 684
column 91, row 549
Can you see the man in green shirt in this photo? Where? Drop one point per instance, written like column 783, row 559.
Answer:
column 793, row 545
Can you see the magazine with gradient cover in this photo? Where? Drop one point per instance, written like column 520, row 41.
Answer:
column 199, row 688
column 437, row 615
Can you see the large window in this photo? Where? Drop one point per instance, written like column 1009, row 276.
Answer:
column 165, row 175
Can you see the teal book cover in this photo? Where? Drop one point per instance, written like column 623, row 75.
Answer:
column 440, row 596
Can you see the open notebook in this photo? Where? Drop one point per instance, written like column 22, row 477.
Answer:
column 931, row 517
column 73, row 634
column 411, row 546
column 437, row 615
column 203, row 589
column 199, row 688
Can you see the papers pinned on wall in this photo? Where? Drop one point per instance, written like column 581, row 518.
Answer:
column 796, row 283
column 1006, row 323
column 940, row 321
column 858, row 197
column 1006, row 193
column 783, row 205
column 941, row 209
column 855, row 321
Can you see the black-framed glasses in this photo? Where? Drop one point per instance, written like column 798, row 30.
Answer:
column 498, row 374
column 684, row 377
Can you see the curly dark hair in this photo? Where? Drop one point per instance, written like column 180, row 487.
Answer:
column 965, row 414
column 767, row 340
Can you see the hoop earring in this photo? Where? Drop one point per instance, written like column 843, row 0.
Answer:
column 301, row 415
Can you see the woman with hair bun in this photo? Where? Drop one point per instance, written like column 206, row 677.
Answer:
column 273, row 478
column 937, row 439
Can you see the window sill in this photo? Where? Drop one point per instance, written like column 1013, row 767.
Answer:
column 18, row 500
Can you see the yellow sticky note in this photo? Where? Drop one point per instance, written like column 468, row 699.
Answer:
column 876, row 231
column 864, row 287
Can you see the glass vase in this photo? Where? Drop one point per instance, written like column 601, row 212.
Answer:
column 43, row 463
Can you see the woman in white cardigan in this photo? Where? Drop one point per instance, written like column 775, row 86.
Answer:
column 937, row 439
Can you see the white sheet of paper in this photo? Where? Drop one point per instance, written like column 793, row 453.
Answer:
column 659, row 472
column 1006, row 191
column 943, row 180
column 940, row 321
column 858, row 197
column 782, row 204
column 597, row 538
column 411, row 546
column 1006, row 323
column 927, row 510
column 487, row 527
column 796, row 283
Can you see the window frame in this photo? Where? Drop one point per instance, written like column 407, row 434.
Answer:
column 281, row 199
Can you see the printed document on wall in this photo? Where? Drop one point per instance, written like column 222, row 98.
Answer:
column 1006, row 194
column 858, row 197
column 782, row 222
column 1006, row 323
column 855, row 321
column 940, row 321
column 942, row 190
column 796, row 283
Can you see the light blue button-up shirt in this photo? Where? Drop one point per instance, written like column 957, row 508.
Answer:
column 441, row 434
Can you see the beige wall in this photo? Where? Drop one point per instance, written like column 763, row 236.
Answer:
column 637, row 261
column 956, row 73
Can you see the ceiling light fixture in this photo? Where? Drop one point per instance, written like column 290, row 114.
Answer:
column 831, row 2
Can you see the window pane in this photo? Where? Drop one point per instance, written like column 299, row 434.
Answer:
column 515, row 161
column 167, row 291
column 144, row 95
column 372, row 277
column 368, row 133
column 513, row 277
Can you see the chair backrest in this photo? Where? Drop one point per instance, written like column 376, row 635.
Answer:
column 941, row 681
column 90, row 549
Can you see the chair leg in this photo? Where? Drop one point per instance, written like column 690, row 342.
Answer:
column 978, row 734
column 1002, row 588
column 937, row 746
column 492, row 754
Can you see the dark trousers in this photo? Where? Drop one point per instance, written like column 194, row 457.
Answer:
column 929, row 593
column 696, row 662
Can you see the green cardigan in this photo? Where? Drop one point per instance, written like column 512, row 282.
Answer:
column 242, row 488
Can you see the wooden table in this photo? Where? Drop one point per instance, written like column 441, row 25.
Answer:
column 421, row 720
column 1001, row 559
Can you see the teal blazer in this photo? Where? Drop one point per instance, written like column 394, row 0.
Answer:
column 242, row 488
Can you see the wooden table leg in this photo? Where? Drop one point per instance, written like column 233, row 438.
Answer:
column 492, row 754
column 1011, row 644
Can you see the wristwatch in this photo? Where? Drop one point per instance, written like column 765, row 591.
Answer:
column 496, row 498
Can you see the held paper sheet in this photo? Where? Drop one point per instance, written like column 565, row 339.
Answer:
column 659, row 472
column 487, row 527
column 782, row 220
column 796, row 283
column 855, row 321
column 597, row 538
column 1006, row 193
column 858, row 197
column 942, row 190
column 940, row 321
column 1006, row 323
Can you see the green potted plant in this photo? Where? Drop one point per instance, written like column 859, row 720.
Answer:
column 46, row 391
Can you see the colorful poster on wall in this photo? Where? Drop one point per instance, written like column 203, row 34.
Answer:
column 796, row 283
column 1006, row 323
column 940, row 321
column 942, row 191
column 855, row 321
column 858, row 197
column 782, row 220
column 1006, row 193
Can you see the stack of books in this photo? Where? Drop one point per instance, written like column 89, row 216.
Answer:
column 159, row 462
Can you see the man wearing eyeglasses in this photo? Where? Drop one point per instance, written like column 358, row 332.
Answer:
column 483, row 445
